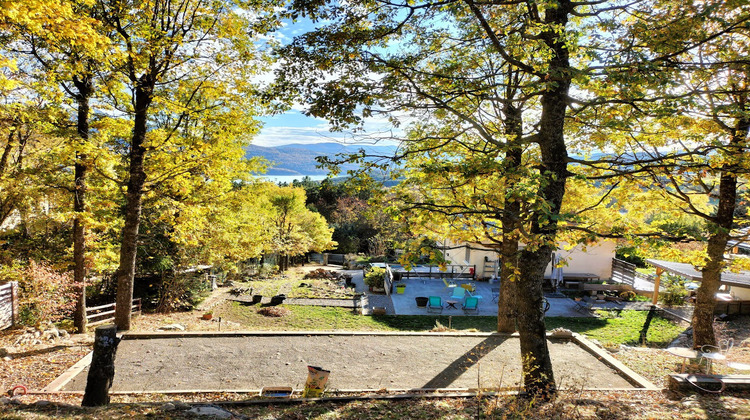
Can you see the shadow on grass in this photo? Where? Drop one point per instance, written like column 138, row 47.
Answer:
column 619, row 330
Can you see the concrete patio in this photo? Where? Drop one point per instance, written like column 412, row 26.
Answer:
column 405, row 304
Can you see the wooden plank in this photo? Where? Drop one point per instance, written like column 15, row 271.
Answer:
column 96, row 308
column 685, row 381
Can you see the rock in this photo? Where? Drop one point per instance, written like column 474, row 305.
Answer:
column 42, row 403
column 65, row 335
column 181, row 405
column 172, row 327
column 209, row 410
column 3, row 352
column 690, row 401
column 4, row 400
column 15, row 401
column 168, row 407
column 7, row 358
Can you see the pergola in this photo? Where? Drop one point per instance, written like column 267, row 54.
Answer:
column 741, row 279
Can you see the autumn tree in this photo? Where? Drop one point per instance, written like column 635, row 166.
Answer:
column 69, row 60
column 179, row 59
column 684, row 114
column 296, row 230
column 439, row 73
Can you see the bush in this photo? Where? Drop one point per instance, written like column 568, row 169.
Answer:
column 274, row 311
column 45, row 295
column 375, row 277
column 675, row 292
column 180, row 292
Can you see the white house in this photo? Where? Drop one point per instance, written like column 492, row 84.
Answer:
column 593, row 262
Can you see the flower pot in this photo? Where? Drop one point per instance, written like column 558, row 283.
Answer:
column 421, row 301
column 400, row 288
column 208, row 317
column 257, row 299
column 278, row 299
column 378, row 310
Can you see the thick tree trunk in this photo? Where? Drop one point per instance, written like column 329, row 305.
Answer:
column 102, row 369
column 538, row 377
column 507, row 308
column 128, row 250
column 85, row 89
column 703, row 315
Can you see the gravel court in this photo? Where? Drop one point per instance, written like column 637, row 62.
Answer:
column 244, row 362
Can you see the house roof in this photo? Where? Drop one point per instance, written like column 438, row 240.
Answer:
column 741, row 279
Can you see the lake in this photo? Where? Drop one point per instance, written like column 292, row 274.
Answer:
column 289, row 178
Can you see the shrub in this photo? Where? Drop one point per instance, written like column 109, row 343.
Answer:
column 45, row 295
column 375, row 277
column 180, row 292
column 674, row 293
column 274, row 311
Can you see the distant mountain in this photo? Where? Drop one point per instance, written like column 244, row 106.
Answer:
column 299, row 159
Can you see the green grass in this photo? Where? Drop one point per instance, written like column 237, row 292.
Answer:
column 624, row 329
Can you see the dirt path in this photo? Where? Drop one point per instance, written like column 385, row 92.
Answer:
column 356, row 362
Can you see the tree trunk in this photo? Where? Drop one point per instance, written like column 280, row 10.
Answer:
column 129, row 248
column 102, row 369
column 85, row 89
column 507, row 309
column 539, row 380
column 703, row 315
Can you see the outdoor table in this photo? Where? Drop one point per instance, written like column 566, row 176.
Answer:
column 685, row 353
column 451, row 304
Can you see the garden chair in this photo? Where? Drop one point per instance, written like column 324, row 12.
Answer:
column 719, row 353
column 469, row 287
column 584, row 306
column 458, row 293
column 435, row 304
column 495, row 294
column 449, row 285
column 710, row 353
column 470, row 304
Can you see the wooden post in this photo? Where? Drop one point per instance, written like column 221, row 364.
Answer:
column 102, row 369
column 14, row 303
column 655, row 299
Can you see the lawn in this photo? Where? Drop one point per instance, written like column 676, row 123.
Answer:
column 624, row 329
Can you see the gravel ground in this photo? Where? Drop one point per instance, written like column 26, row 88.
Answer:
column 356, row 362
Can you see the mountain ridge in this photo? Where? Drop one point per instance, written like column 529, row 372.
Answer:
column 299, row 159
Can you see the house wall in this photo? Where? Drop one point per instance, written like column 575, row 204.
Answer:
column 740, row 293
column 597, row 258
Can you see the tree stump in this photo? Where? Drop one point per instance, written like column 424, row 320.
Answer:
column 102, row 369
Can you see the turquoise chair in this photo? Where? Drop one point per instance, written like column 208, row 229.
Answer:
column 458, row 293
column 470, row 304
column 435, row 304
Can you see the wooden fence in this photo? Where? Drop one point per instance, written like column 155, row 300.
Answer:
column 733, row 307
column 105, row 313
column 457, row 271
column 623, row 271
column 8, row 305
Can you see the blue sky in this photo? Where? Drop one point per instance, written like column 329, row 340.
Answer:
column 293, row 127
